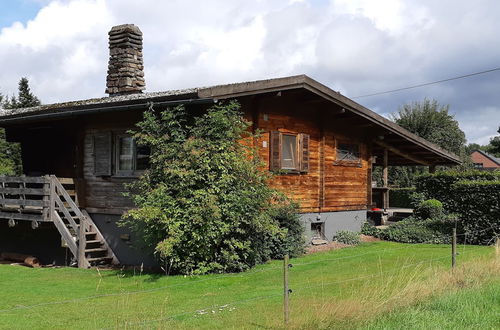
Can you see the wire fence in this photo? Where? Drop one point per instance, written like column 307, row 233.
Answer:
column 276, row 291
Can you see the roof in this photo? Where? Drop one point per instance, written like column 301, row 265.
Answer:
column 490, row 157
column 429, row 153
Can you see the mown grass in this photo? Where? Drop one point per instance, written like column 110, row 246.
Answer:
column 342, row 288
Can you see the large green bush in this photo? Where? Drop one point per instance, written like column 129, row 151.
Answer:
column 439, row 185
column 205, row 205
column 474, row 195
column 478, row 203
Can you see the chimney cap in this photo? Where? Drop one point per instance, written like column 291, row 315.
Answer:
column 125, row 28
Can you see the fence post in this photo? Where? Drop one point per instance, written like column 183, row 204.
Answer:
column 286, row 291
column 454, row 248
column 497, row 246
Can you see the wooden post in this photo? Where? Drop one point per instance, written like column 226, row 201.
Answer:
column 497, row 247
column 52, row 194
column 286, row 291
column 385, row 173
column 81, row 243
column 454, row 248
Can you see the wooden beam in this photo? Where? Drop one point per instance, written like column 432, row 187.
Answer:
column 385, row 174
column 402, row 153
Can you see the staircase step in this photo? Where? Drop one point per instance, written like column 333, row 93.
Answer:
column 96, row 250
column 94, row 241
column 91, row 233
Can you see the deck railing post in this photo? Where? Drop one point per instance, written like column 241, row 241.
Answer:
column 52, row 192
column 82, row 243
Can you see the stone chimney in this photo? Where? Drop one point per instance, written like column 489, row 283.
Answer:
column 125, row 69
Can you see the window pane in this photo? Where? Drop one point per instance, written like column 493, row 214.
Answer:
column 125, row 153
column 289, row 152
column 347, row 151
column 142, row 158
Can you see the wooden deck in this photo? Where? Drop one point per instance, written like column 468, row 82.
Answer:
column 52, row 199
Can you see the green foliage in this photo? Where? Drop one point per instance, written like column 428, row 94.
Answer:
column 369, row 229
column 431, row 121
column 415, row 230
column 401, row 197
column 494, row 146
column 347, row 237
column 431, row 208
column 474, row 195
column 205, row 205
column 478, row 203
column 10, row 156
column 25, row 98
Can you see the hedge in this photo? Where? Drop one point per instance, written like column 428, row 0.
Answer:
column 439, row 185
column 401, row 197
column 474, row 195
column 478, row 203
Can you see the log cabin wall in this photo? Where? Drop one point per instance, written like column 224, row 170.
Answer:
column 330, row 184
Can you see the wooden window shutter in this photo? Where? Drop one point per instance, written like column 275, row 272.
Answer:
column 275, row 150
column 304, row 152
column 103, row 153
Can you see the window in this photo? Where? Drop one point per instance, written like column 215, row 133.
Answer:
column 289, row 152
column 478, row 165
column 348, row 154
column 130, row 158
column 347, row 151
column 118, row 154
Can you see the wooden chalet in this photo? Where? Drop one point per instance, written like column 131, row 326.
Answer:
column 78, row 155
column 484, row 161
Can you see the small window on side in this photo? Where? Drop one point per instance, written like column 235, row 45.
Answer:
column 348, row 152
column 289, row 152
column 130, row 158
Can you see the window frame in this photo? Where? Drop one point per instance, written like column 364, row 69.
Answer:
column 296, row 153
column 116, row 159
column 348, row 162
column 302, row 152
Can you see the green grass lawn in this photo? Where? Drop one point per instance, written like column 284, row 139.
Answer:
column 477, row 308
column 348, row 285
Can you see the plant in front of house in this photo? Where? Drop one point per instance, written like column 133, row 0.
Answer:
column 204, row 206
column 347, row 237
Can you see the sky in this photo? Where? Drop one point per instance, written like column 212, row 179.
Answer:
column 356, row 47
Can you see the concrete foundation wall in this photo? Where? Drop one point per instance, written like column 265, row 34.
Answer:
column 122, row 241
column 332, row 222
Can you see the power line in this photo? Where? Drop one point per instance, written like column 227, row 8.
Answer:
column 428, row 83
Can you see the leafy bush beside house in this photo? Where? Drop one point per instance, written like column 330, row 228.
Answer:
column 474, row 195
column 204, row 206
column 401, row 197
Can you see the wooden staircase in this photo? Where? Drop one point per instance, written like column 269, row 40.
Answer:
column 45, row 199
column 83, row 238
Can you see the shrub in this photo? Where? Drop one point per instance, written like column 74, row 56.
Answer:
column 347, row 237
column 431, row 208
column 204, row 205
column 478, row 203
column 413, row 230
column 369, row 229
column 401, row 197
column 475, row 195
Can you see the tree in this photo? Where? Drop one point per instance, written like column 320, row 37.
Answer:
column 24, row 98
column 494, row 146
column 431, row 121
column 204, row 205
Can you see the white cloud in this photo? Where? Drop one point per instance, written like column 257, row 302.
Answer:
column 355, row 46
